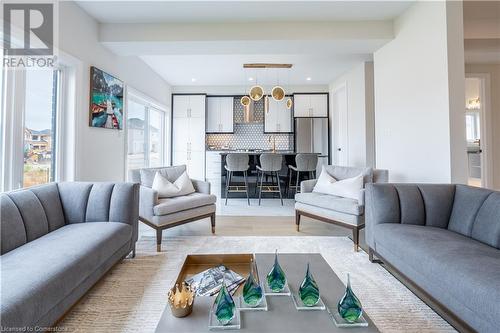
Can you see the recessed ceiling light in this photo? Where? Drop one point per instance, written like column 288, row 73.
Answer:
column 250, row 79
column 193, row 79
column 308, row 78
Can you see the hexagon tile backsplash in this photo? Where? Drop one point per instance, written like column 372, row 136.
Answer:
column 248, row 135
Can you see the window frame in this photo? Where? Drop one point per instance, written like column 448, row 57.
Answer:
column 148, row 103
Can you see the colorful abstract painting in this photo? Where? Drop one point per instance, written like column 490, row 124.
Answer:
column 106, row 100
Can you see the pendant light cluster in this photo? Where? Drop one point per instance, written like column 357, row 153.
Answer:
column 256, row 92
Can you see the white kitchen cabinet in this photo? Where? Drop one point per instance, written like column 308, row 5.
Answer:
column 213, row 171
column 188, row 134
column 278, row 118
column 310, row 105
column 220, row 115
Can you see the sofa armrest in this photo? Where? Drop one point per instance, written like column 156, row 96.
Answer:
column 361, row 197
column 201, row 186
column 149, row 199
column 307, row 186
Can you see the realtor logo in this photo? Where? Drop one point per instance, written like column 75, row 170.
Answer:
column 35, row 22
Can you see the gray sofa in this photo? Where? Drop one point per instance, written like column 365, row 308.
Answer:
column 346, row 212
column 165, row 213
column 57, row 241
column 443, row 241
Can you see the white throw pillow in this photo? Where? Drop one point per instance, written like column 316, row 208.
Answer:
column 347, row 188
column 167, row 189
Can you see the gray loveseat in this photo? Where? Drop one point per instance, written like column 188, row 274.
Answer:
column 442, row 241
column 57, row 241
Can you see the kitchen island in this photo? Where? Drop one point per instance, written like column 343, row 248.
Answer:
column 238, row 180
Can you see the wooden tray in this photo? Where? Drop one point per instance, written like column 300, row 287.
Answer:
column 196, row 263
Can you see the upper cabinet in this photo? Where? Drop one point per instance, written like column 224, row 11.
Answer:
column 220, row 113
column 310, row 105
column 277, row 119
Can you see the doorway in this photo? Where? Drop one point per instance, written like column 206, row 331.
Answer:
column 478, row 131
column 340, row 126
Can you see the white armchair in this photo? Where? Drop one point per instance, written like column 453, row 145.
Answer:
column 342, row 211
column 161, row 214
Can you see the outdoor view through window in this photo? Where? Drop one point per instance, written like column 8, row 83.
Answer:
column 39, row 127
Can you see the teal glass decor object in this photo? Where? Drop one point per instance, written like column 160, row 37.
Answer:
column 252, row 291
column 225, row 309
column 349, row 306
column 309, row 291
column 276, row 279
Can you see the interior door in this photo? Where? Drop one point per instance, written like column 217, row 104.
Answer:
column 341, row 143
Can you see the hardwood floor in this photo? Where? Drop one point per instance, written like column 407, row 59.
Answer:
column 254, row 226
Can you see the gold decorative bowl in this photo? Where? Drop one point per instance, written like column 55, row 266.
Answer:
column 181, row 300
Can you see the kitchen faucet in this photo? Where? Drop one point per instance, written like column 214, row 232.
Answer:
column 274, row 142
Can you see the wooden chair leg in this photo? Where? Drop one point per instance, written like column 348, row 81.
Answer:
column 355, row 238
column 212, row 222
column 158, row 240
column 297, row 220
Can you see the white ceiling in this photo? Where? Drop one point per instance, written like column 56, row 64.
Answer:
column 221, row 63
column 167, row 11
column 227, row 69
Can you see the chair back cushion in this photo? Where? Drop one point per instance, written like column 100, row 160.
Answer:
column 306, row 162
column 28, row 214
column 171, row 173
column 237, row 162
column 271, row 162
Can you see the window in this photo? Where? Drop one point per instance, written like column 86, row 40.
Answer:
column 40, row 125
column 146, row 139
column 472, row 125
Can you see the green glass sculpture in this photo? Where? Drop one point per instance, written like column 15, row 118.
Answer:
column 225, row 309
column 349, row 306
column 276, row 279
column 252, row 291
column 309, row 291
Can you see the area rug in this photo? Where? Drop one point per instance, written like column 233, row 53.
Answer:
column 132, row 297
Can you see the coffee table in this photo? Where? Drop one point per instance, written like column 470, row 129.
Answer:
column 282, row 315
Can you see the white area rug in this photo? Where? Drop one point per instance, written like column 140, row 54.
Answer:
column 131, row 298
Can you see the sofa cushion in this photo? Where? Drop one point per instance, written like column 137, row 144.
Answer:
column 486, row 227
column 12, row 232
column 48, row 195
column 40, row 274
column 343, row 172
column 177, row 204
column 458, row 271
column 32, row 213
column 466, row 205
column 343, row 205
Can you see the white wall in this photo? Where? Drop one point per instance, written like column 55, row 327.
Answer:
column 419, row 137
column 100, row 153
column 494, row 73
column 360, row 127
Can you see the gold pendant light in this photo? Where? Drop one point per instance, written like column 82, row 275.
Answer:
column 256, row 93
column 245, row 100
column 289, row 103
column 278, row 93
